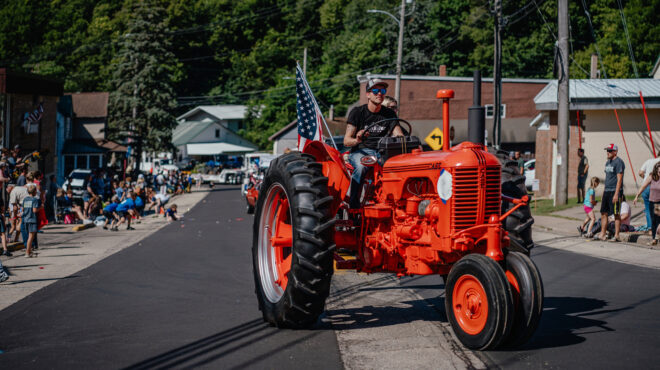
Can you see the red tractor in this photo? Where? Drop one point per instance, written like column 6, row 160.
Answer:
column 423, row 213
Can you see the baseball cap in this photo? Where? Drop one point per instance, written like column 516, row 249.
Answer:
column 612, row 147
column 375, row 81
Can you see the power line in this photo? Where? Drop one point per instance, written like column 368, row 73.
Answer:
column 625, row 29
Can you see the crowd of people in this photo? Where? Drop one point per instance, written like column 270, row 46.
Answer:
column 31, row 202
column 99, row 198
column 615, row 211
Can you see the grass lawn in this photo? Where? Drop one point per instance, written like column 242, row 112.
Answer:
column 546, row 206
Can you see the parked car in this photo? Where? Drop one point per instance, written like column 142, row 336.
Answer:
column 530, row 173
column 79, row 181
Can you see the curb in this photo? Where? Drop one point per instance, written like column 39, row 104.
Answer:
column 83, row 227
column 13, row 247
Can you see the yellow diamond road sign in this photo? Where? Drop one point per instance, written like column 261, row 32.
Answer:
column 435, row 139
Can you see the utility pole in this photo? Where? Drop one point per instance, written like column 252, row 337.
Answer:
column 561, row 196
column 497, row 76
column 305, row 62
column 399, row 55
column 401, row 21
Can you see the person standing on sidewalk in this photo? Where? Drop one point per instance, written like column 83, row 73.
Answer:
column 589, row 205
column 653, row 182
column 583, row 172
column 520, row 161
column 645, row 172
column 31, row 206
column 613, row 194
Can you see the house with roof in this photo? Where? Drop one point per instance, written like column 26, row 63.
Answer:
column 287, row 136
column 211, row 130
column 85, row 143
column 595, row 100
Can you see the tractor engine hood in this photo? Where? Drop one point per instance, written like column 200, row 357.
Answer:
column 462, row 155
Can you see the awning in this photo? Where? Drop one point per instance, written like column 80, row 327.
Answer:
column 217, row 148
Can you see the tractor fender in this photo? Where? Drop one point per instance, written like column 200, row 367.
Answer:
column 334, row 168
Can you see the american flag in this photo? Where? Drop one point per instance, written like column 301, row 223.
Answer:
column 37, row 114
column 309, row 114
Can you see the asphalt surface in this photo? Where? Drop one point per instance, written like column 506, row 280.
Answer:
column 598, row 314
column 183, row 298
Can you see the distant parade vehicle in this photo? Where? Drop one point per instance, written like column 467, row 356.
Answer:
column 422, row 213
column 256, row 165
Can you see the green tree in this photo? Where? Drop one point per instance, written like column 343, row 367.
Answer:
column 142, row 97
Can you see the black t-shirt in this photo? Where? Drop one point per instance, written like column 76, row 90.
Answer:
column 362, row 117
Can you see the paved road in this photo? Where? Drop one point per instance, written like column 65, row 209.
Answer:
column 597, row 314
column 184, row 298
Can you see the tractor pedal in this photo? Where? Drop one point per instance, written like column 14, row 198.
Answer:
column 343, row 223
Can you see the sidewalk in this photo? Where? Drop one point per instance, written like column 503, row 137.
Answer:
column 565, row 223
column 63, row 252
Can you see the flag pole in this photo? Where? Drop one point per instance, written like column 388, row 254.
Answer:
column 317, row 106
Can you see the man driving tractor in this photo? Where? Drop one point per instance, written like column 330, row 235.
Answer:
column 364, row 129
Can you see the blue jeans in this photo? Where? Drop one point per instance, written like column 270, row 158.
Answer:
column 647, row 207
column 358, row 174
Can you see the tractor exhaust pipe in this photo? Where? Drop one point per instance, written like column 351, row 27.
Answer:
column 476, row 113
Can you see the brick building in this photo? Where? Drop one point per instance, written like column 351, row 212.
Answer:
column 420, row 107
column 20, row 95
column 596, row 100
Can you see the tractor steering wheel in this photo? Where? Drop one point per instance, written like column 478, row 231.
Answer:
column 392, row 125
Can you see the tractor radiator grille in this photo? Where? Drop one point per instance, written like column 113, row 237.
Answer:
column 476, row 196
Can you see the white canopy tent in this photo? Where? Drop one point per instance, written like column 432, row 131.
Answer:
column 217, row 148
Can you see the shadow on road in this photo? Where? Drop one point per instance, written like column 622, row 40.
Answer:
column 373, row 317
column 37, row 280
column 248, row 337
column 565, row 321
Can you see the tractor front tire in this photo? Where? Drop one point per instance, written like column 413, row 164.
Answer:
column 293, row 243
column 479, row 302
column 527, row 289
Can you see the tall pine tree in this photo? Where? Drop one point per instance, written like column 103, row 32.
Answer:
column 142, row 97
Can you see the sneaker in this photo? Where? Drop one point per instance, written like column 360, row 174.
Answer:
column 105, row 228
column 3, row 276
column 580, row 230
column 7, row 253
column 130, row 228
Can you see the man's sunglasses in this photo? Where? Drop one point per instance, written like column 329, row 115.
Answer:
column 376, row 91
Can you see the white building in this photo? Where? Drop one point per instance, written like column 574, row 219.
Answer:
column 210, row 130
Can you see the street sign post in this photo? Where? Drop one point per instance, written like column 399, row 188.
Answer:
column 435, row 139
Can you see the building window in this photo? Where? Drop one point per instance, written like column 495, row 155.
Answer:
column 94, row 162
column 69, row 164
column 490, row 110
column 217, row 132
column 81, row 162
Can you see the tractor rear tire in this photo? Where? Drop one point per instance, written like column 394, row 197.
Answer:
column 479, row 302
column 293, row 242
column 527, row 289
column 519, row 223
